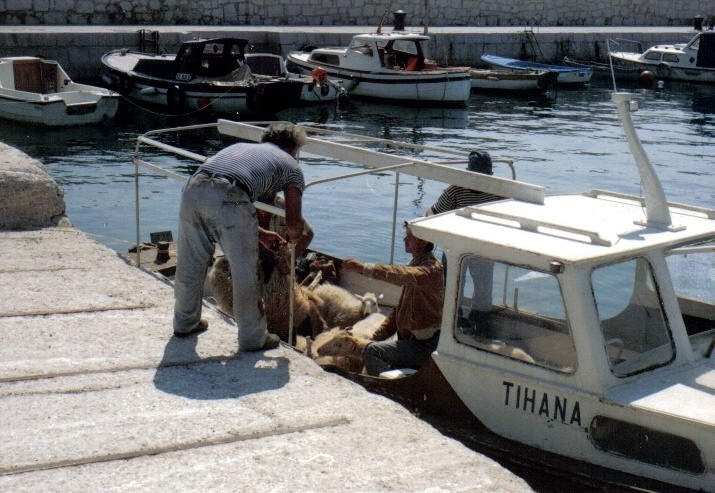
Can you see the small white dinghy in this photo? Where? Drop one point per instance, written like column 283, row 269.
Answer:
column 35, row 90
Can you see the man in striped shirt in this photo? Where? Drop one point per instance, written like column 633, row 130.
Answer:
column 455, row 197
column 217, row 207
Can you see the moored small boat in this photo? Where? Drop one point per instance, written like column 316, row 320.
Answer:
column 512, row 81
column 39, row 91
column 567, row 75
column 211, row 73
column 693, row 61
column 388, row 66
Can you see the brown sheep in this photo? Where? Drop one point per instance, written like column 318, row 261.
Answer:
column 275, row 301
column 339, row 347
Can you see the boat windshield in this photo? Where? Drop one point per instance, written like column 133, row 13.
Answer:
column 518, row 314
column 361, row 46
column 636, row 335
column 691, row 269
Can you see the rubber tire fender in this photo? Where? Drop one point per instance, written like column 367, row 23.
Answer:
column 175, row 98
column 663, row 70
column 125, row 84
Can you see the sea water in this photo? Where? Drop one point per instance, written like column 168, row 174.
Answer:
column 568, row 141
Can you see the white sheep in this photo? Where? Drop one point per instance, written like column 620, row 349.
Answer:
column 341, row 308
column 511, row 351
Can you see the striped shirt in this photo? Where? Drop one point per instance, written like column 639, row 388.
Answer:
column 262, row 170
column 455, row 197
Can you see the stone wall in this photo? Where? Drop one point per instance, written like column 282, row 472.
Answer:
column 348, row 13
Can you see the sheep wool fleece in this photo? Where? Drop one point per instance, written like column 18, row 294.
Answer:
column 219, row 210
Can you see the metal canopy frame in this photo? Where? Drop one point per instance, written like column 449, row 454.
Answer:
column 346, row 147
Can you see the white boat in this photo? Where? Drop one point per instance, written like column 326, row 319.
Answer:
column 590, row 352
column 212, row 73
column 693, row 61
column 512, row 81
column 567, row 75
column 388, row 66
column 39, row 91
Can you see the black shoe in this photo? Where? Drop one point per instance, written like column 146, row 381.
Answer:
column 202, row 326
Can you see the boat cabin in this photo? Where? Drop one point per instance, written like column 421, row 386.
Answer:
column 698, row 52
column 392, row 51
column 31, row 74
column 203, row 58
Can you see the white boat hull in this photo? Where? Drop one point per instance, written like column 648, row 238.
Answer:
column 68, row 104
column 633, row 62
column 367, row 78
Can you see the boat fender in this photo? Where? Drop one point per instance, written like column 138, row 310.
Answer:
column 350, row 83
column 126, row 84
column 175, row 97
column 319, row 76
column 663, row 70
column 547, row 81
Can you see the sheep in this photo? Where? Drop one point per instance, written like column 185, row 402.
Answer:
column 339, row 347
column 275, row 300
column 511, row 351
column 221, row 285
column 341, row 308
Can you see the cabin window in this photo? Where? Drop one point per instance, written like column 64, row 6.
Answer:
column 361, row 46
column 653, row 55
column 514, row 312
column 670, row 57
column 636, row 336
column 644, row 444
column 405, row 46
column 325, row 58
column 693, row 273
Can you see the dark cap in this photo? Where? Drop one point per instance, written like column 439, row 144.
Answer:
column 480, row 162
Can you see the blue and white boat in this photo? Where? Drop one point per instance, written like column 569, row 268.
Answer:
column 566, row 74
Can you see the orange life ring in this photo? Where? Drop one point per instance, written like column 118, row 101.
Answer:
column 319, row 75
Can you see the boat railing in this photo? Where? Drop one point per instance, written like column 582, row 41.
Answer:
column 345, row 147
column 544, row 227
column 623, row 44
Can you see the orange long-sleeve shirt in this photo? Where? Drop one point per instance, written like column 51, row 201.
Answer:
column 418, row 314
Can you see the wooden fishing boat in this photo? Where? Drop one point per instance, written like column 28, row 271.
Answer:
column 590, row 351
column 38, row 91
column 512, row 81
column 567, row 75
column 215, row 73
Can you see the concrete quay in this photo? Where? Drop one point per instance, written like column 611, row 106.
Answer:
column 96, row 394
column 79, row 48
